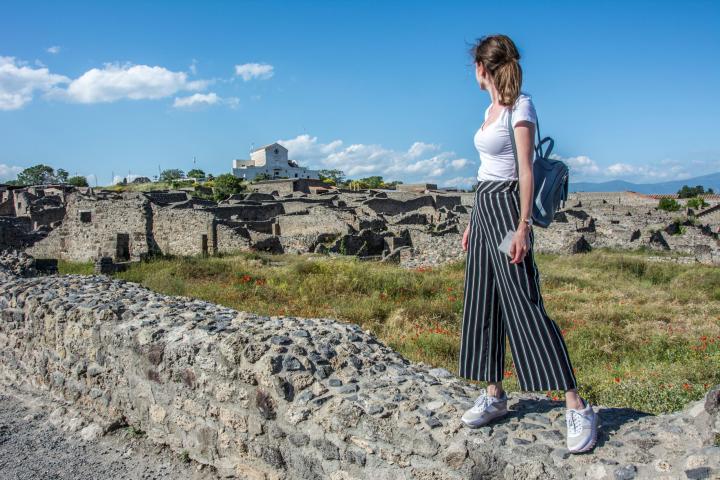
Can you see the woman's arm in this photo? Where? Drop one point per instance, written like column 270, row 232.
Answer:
column 524, row 134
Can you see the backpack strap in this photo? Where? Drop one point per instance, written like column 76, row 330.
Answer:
column 512, row 140
column 540, row 142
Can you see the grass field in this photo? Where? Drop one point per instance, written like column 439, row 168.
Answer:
column 641, row 334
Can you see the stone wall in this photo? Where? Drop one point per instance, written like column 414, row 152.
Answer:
column 315, row 221
column 184, row 231
column 232, row 238
column 14, row 232
column 301, row 398
column 115, row 226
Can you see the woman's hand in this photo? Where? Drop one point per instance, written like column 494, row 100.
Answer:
column 520, row 243
column 465, row 238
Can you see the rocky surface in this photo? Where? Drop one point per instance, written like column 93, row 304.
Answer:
column 17, row 263
column 301, row 398
column 42, row 440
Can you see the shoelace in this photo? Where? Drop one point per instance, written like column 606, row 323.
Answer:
column 574, row 424
column 483, row 400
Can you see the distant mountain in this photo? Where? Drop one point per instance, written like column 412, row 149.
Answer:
column 708, row 181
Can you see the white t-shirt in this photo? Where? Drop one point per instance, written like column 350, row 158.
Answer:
column 493, row 144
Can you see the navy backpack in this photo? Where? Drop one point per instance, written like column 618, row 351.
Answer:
column 550, row 176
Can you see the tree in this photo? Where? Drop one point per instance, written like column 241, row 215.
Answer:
column 357, row 185
column 374, row 181
column 37, row 175
column 171, row 174
column 334, row 176
column 196, row 173
column 227, row 184
column 62, row 175
column 78, row 181
column 689, row 192
column 261, row 176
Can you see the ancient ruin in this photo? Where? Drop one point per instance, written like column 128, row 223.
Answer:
column 299, row 398
column 414, row 225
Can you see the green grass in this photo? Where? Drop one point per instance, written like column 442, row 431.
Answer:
column 641, row 334
column 84, row 268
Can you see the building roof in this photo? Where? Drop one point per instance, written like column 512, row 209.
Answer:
column 269, row 145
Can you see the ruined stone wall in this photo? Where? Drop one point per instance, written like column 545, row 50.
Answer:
column 317, row 220
column 231, row 239
column 282, row 188
column 256, row 396
column 115, row 226
column 7, row 208
column 303, row 398
column 392, row 206
column 14, row 232
column 183, row 231
column 47, row 216
column 248, row 212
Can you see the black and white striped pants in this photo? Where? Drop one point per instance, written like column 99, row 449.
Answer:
column 501, row 297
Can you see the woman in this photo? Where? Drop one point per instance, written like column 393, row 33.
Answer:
column 502, row 294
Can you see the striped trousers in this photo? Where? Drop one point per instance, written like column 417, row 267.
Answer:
column 501, row 297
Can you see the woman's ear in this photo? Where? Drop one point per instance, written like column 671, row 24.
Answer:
column 479, row 72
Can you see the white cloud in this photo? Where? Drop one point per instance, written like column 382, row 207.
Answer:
column 250, row 71
column 18, row 82
column 196, row 99
column 91, row 179
column 118, row 179
column 648, row 173
column 232, row 102
column 583, row 168
column 114, row 82
column 204, row 99
column 459, row 163
column 55, row 49
column 419, row 148
column 421, row 162
column 621, row 169
column 461, row 182
column 9, row 172
column 580, row 165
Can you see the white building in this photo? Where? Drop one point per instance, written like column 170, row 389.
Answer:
column 272, row 160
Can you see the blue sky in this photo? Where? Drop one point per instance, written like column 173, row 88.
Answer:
column 627, row 89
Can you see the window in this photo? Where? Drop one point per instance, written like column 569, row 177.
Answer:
column 85, row 217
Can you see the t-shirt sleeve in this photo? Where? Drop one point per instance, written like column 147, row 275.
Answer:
column 524, row 110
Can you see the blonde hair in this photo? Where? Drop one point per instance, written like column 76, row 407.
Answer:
column 499, row 55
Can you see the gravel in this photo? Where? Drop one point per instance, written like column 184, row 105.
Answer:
column 32, row 448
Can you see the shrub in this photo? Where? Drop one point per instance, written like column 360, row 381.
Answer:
column 669, row 205
column 78, row 181
column 226, row 185
column 696, row 203
column 171, row 174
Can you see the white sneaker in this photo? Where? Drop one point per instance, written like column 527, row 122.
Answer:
column 485, row 409
column 581, row 428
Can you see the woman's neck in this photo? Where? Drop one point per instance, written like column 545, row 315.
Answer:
column 494, row 96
